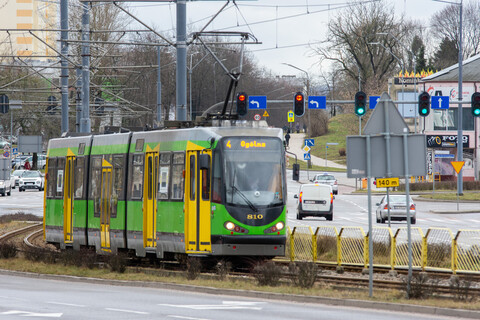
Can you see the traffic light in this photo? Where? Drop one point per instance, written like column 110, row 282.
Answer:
column 424, row 104
column 4, row 103
column 52, row 104
column 476, row 104
column 296, row 172
column 299, row 104
column 360, row 103
column 242, row 103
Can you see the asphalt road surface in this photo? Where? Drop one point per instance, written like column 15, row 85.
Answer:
column 24, row 298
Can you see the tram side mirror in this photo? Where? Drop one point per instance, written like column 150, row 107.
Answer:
column 295, row 196
column 204, row 161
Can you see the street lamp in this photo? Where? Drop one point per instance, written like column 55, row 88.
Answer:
column 308, row 92
column 399, row 60
column 414, row 61
column 460, row 97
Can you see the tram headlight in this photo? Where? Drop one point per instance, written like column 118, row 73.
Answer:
column 280, row 225
column 229, row 225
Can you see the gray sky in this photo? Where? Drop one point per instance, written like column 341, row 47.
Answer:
column 285, row 27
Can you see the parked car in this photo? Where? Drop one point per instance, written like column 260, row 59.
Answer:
column 41, row 162
column 398, row 209
column 315, row 200
column 17, row 174
column 18, row 160
column 31, row 179
column 4, row 143
column 326, row 178
column 5, row 187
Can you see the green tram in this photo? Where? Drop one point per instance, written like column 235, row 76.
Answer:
column 213, row 191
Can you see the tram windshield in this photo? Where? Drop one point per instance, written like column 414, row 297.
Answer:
column 253, row 172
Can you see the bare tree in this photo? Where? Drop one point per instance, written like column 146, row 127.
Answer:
column 445, row 24
column 349, row 40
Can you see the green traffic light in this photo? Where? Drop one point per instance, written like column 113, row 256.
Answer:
column 423, row 111
column 476, row 112
column 360, row 111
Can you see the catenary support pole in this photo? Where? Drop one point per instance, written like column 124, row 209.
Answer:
column 85, row 124
column 181, row 111
column 64, row 63
column 159, row 88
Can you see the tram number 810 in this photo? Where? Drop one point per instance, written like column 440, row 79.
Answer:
column 255, row 216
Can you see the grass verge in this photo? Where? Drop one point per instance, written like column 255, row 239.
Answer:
column 286, row 287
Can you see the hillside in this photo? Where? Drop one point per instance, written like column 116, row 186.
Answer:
column 339, row 128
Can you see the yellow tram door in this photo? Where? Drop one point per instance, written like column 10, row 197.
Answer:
column 105, row 205
column 68, row 198
column 150, row 198
column 197, row 200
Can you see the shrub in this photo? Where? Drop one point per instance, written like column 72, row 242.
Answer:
column 117, row 262
column 8, row 250
column 304, row 274
column 267, row 274
column 420, row 286
column 223, row 268
column 461, row 289
column 40, row 255
column 342, row 152
column 194, row 267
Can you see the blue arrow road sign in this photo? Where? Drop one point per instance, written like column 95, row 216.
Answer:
column 309, row 142
column 373, row 100
column 257, row 102
column 306, row 156
column 317, row 102
column 440, row 102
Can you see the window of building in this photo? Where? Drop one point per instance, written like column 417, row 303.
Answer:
column 445, row 120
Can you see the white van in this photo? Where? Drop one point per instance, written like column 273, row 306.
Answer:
column 315, row 200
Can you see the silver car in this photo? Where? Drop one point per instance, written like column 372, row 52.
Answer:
column 327, row 178
column 398, row 209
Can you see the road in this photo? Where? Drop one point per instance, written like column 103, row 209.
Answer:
column 30, row 201
column 57, row 299
column 352, row 209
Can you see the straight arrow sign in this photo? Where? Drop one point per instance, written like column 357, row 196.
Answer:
column 440, row 102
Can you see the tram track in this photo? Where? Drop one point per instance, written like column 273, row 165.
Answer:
column 353, row 280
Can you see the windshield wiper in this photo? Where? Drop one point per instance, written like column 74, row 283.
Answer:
column 250, row 204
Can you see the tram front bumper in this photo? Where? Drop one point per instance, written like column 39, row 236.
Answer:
column 249, row 245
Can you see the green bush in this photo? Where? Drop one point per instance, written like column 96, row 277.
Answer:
column 267, row 274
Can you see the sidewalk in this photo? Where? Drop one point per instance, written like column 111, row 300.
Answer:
column 297, row 143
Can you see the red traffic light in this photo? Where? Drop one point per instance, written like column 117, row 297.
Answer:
column 241, row 97
column 299, row 97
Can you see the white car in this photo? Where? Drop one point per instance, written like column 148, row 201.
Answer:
column 31, row 180
column 41, row 162
column 16, row 176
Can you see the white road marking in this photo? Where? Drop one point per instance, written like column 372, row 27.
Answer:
column 32, row 314
column 187, row 318
column 226, row 305
column 66, row 304
column 126, row 311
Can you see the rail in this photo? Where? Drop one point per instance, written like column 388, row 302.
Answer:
column 436, row 250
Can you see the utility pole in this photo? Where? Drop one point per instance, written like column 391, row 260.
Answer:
column 181, row 111
column 64, row 62
column 85, row 122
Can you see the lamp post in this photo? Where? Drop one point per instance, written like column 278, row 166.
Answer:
column 460, row 95
column 414, row 61
column 308, row 92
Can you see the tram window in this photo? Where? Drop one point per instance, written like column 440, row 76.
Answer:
column 206, row 182
column 139, row 145
column 78, row 177
column 217, row 174
column 192, row 177
column 137, row 176
column 118, row 181
column 51, row 175
column 60, row 175
column 176, row 187
column 81, row 148
column 163, row 175
column 95, row 184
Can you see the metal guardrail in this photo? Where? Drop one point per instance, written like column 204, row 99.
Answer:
column 437, row 250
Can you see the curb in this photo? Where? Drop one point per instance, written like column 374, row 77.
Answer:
column 408, row 308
